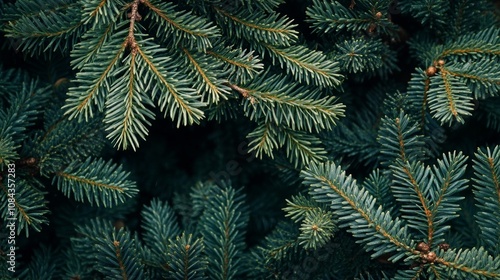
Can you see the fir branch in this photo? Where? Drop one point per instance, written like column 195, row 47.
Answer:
column 378, row 231
column 467, row 263
column 447, row 184
column 252, row 5
column 267, row 28
column 264, row 140
column 413, row 274
column 74, row 266
column 430, row 13
column 176, row 99
column 411, row 189
column 469, row 15
column 279, row 248
column 356, row 138
column 299, row 206
column 97, row 181
column 209, row 79
column 480, row 76
column 199, row 199
column 95, row 80
column 273, row 99
column 116, row 250
column 46, row 27
column 126, row 113
column 484, row 42
column 317, row 229
column 223, row 230
column 428, row 196
column 449, row 99
column 10, row 82
column 225, row 110
column 359, row 55
column 379, row 185
column 241, row 64
column 185, row 58
column 24, row 106
column 93, row 42
column 183, row 28
column 400, row 139
column 102, row 12
column 35, row 8
column 326, row 17
column 418, row 93
column 305, row 65
column 487, row 194
column 159, row 226
column 188, row 261
column 8, row 152
column 45, row 21
column 302, row 148
column 29, row 204
column 65, row 141
column 44, row 264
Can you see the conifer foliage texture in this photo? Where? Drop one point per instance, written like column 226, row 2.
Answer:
column 320, row 139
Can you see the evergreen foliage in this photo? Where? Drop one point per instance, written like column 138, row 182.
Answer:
column 238, row 139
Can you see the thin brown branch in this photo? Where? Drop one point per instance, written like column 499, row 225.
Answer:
column 244, row 92
column 119, row 258
column 134, row 16
column 241, row 91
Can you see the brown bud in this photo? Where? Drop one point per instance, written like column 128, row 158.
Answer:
column 422, row 247
column 60, row 82
column 440, row 62
column 353, row 3
column 136, row 16
column 444, row 246
column 429, row 257
column 119, row 224
column 30, row 161
column 372, row 28
column 431, row 71
column 378, row 15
